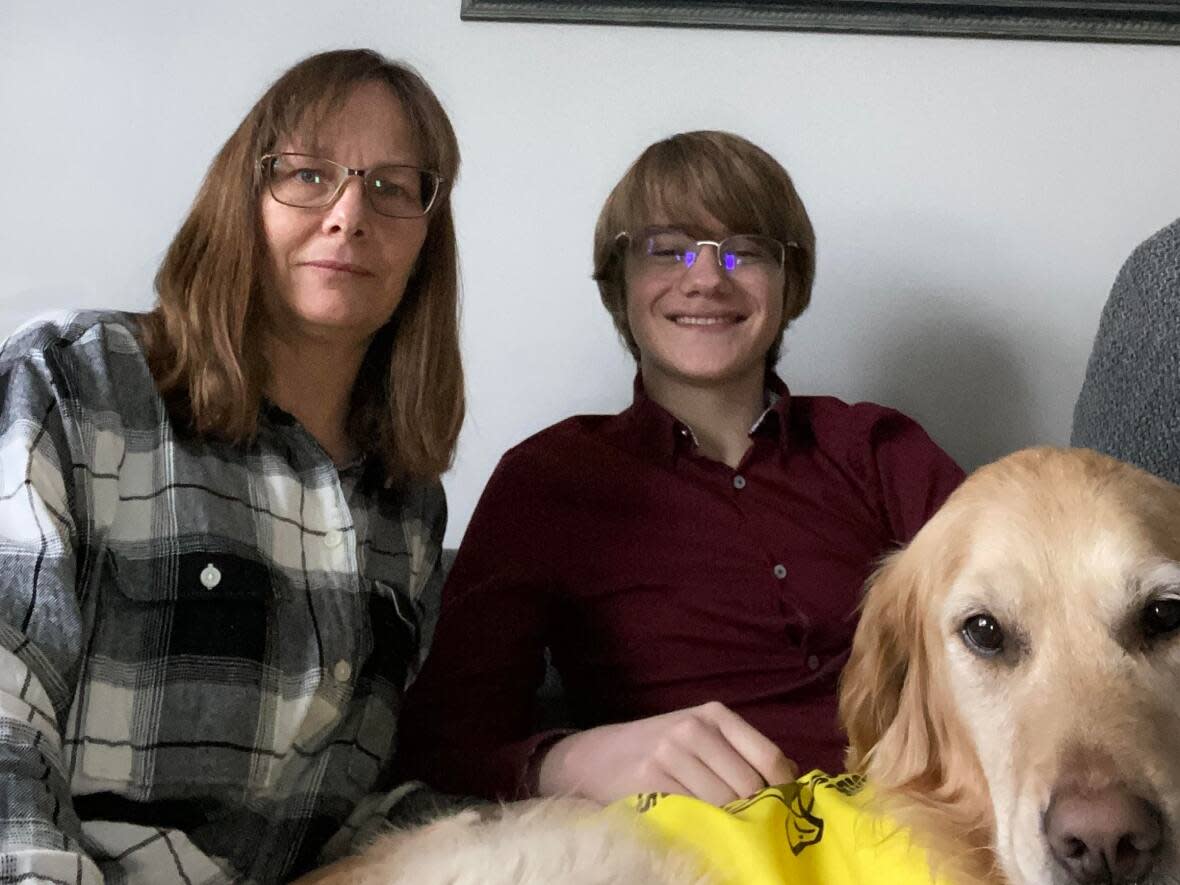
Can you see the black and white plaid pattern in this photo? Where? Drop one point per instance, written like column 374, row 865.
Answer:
column 203, row 648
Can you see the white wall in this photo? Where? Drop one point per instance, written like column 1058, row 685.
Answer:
column 973, row 199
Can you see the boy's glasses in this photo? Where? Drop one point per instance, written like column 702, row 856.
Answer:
column 671, row 250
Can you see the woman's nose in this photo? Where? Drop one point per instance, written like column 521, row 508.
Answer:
column 348, row 212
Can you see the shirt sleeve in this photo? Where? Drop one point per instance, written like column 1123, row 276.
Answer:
column 1129, row 399
column 46, row 529
column 1113, row 373
column 913, row 476
column 40, row 631
column 468, row 723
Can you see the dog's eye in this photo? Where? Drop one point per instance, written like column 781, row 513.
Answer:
column 1161, row 617
column 983, row 634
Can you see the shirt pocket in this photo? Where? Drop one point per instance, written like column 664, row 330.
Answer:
column 175, row 678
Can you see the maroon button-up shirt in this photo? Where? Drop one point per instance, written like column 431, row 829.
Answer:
column 660, row 579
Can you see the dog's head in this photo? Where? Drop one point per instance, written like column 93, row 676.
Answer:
column 1014, row 685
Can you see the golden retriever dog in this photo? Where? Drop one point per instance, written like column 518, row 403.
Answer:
column 538, row 842
column 1013, row 695
column 1014, row 685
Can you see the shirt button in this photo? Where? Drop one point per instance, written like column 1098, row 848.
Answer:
column 342, row 671
column 210, row 576
column 739, row 482
column 812, row 663
column 780, row 571
column 333, row 538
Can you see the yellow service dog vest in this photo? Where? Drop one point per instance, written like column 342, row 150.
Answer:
column 815, row 831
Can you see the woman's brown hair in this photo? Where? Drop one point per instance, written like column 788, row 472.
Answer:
column 719, row 173
column 201, row 336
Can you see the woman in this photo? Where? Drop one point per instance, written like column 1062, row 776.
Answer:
column 220, row 522
column 694, row 563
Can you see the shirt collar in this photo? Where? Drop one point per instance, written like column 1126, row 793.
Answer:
column 652, row 429
column 776, row 418
column 287, row 426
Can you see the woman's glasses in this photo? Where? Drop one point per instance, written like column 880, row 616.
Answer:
column 308, row 182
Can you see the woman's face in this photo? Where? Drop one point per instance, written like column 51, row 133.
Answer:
column 701, row 324
column 340, row 271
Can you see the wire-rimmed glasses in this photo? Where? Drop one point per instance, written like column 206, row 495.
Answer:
column 671, row 250
column 308, row 182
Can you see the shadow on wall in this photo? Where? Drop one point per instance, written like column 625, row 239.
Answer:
column 961, row 373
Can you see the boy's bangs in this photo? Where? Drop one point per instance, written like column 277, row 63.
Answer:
column 695, row 197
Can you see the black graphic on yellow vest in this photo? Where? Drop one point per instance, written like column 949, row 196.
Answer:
column 803, row 826
column 647, row 801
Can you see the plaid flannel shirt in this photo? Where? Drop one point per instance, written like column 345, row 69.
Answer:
column 203, row 647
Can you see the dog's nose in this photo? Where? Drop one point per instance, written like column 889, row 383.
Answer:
column 1110, row 835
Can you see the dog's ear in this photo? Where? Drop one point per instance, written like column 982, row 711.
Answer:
column 895, row 701
column 883, row 685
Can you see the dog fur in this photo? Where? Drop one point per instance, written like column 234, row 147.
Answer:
column 539, row 842
column 1066, row 552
